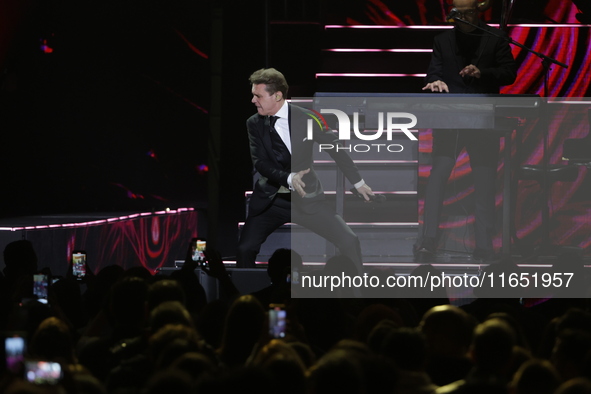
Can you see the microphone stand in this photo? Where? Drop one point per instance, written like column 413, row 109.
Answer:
column 546, row 62
column 506, row 11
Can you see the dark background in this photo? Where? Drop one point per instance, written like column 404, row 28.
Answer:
column 118, row 116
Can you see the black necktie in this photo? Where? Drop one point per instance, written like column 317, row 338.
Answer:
column 279, row 148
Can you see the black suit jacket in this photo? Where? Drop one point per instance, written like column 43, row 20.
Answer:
column 273, row 175
column 493, row 57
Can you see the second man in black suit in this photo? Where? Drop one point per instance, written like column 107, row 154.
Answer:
column 466, row 60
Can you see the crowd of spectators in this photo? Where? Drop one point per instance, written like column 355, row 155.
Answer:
column 131, row 332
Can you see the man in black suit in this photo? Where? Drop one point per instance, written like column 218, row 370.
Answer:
column 288, row 189
column 466, row 60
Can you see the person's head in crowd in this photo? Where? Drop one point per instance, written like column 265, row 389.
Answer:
column 535, row 377
column 305, row 353
column 520, row 356
column 242, row 379
column 98, row 289
column 169, row 381
column 108, row 275
column 196, row 364
column 165, row 290
column 20, row 259
column 169, row 312
column 379, row 333
column 521, row 350
column 69, row 297
column 53, row 341
column 339, row 264
column 210, row 322
column 163, row 347
column 352, row 346
column 515, row 325
column 78, row 379
column 336, row 372
column 572, row 354
column 370, row 317
column 378, row 373
column 575, row 386
column 448, row 330
column 243, row 328
column 277, row 348
column 406, row 347
column 492, row 346
column 574, row 319
column 326, row 321
column 127, row 305
column 283, row 364
column 21, row 264
column 280, row 263
column 138, row 271
column 174, row 350
column 438, row 294
column 351, row 367
column 161, row 340
column 282, row 370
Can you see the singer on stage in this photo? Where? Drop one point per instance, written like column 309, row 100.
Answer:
column 466, row 60
column 288, row 189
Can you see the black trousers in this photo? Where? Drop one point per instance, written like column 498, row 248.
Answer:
column 324, row 222
column 483, row 149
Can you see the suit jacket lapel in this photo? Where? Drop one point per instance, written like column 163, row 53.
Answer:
column 453, row 46
column 481, row 47
column 289, row 118
column 265, row 128
column 294, row 125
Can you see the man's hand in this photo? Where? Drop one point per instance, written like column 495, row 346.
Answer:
column 298, row 184
column 437, row 86
column 365, row 191
column 470, row 71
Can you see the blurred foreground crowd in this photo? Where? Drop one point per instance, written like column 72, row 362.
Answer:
column 129, row 331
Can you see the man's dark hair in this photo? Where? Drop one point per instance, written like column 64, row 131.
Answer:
column 274, row 80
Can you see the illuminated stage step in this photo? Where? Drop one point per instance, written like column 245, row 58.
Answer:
column 399, row 207
column 380, row 242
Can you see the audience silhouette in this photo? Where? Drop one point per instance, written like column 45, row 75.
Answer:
column 131, row 332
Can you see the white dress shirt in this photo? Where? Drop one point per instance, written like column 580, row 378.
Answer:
column 282, row 128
